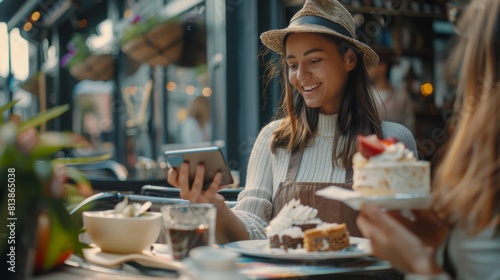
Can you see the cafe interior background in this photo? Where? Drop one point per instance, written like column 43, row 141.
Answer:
column 130, row 70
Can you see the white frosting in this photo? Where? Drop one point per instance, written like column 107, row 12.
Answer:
column 311, row 221
column 392, row 153
column 393, row 171
column 292, row 213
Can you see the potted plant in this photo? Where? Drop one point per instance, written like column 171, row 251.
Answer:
column 84, row 64
column 39, row 189
column 154, row 40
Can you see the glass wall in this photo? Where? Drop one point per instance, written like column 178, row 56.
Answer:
column 22, row 84
column 166, row 96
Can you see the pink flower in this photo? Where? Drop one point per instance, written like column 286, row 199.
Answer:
column 67, row 57
column 136, row 19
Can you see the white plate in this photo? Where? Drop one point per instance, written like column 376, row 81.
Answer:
column 260, row 248
column 398, row 201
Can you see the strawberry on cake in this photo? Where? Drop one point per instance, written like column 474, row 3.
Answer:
column 296, row 227
column 387, row 167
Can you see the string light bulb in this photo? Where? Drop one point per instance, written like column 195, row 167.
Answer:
column 426, row 89
column 27, row 26
column 35, row 16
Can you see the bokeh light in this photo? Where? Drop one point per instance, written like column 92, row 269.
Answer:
column 171, row 86
column 206, row 92
column 190, row 90
column 27, row 26
column 426, row 89
column 35, row 16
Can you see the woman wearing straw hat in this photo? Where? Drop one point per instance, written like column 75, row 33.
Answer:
column 327, row 103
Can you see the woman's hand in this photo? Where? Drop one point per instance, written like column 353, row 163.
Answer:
column 229, row 227
column 425, row 224
column 194, row 192
column 408, row 251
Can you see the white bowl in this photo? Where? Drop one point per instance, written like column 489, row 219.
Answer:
column 121, row 234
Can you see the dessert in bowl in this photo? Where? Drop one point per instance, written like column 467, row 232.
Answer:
column 120, row 232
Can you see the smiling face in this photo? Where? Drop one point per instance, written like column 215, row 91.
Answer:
column 318, row 70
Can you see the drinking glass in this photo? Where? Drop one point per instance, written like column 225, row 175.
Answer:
column 187, row 226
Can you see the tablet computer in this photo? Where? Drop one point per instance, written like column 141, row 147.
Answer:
column 211, row 157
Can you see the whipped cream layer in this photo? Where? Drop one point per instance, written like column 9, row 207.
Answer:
column 393, row 153
column 393, row 171
column 293, row 213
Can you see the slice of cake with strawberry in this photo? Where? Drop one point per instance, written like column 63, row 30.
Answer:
column 387, row 167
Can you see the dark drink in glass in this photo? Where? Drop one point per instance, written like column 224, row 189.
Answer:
column 181, row 241
column 187, row 226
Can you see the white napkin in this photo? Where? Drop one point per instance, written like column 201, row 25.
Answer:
column 147, row 258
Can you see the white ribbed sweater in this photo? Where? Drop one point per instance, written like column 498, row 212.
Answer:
column 267, row 170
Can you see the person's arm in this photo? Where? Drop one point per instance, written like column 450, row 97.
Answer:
column 408, row 251
column 254, row 203
column 248, row 219
column 228, row 226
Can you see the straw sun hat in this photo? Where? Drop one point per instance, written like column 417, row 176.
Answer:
column 320, row 16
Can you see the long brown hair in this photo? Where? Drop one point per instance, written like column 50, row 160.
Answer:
column 467, row 182
column 358, row 113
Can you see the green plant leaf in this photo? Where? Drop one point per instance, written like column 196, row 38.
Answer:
column 44, row 152
column 82, row 183
column 81, row 160
column 53, row 141
column 72, row 196
column 63, row 139
column 6, row 107
column 43, row 117
column 135, row 30
column 63, row 234
column 77, row 176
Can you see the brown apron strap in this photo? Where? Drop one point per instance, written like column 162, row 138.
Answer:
column 293, row 165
